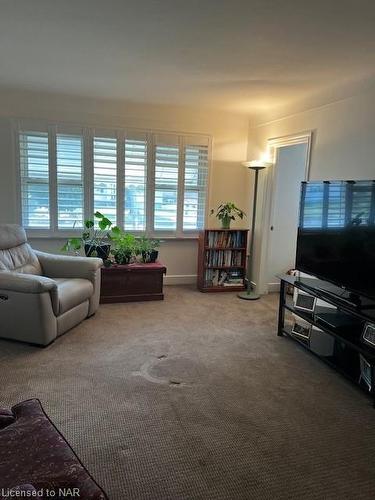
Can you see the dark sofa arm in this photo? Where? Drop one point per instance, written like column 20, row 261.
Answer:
column 6, row 418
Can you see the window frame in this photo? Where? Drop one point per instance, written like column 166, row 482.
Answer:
column 88, row 132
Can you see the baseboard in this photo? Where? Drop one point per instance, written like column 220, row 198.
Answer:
column 180, row 279
column 273, row 287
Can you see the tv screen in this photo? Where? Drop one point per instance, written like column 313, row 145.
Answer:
column 336, row 234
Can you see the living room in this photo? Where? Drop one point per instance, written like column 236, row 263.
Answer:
column 162, row 389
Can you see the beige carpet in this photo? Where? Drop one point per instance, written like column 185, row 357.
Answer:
column 196, row 398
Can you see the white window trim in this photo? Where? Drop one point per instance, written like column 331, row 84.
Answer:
column 88, row 132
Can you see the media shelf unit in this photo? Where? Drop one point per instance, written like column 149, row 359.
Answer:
column 222, row 260
column 340, row 337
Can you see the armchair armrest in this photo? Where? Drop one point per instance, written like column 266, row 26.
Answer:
column 63, row 266
column 6, row 418
column 26, row 283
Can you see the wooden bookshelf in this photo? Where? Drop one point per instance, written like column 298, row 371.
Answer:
column 222, row 260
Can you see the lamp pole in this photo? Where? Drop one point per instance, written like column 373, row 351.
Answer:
column 249, row 294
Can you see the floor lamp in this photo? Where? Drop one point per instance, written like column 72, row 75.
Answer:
column 255, row 165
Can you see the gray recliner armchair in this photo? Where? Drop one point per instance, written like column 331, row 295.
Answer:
column 43, row 295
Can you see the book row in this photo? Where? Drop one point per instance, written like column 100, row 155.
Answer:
column 223, row 258
column 225, row 239
column 215, row 277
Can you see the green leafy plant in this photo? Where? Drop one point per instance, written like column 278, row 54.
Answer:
column 226, row 212
column 124, row 245
column 147, row 248
column 94, row 238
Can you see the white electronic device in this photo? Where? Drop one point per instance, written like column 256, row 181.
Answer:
column 301, row 330
column 304, row 301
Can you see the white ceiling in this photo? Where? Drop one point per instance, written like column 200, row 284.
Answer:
column 253, row 56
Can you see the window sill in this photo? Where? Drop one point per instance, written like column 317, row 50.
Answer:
column 38, row 235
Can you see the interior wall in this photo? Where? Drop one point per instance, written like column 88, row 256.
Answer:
column 343, row 145
column 228, row 179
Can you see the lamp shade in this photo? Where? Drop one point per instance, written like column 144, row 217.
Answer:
column 257, row 164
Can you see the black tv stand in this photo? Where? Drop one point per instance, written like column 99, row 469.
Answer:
column 351, row 300
column 337, row 325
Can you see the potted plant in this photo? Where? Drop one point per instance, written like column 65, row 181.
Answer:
column 94, row 238
column 146, row 248
column 226, row 212
column 124, row 245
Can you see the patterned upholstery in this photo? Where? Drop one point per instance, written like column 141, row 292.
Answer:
column 33, row 454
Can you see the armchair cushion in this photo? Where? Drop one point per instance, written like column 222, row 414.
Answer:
column 72, row 292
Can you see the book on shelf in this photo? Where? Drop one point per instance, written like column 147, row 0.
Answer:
column 223, row 277
column 225, row 239
column 215, row 277
column 223, row 258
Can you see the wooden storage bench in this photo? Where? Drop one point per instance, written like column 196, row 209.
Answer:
column 132, row 282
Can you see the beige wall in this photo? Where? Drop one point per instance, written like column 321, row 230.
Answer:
column 228, row 182
column 343, row 143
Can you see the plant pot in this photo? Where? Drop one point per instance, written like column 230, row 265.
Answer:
column 225, row 223
column 148, row 257
column 101, row 251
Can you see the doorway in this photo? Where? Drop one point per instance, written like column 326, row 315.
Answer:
column 291, row 157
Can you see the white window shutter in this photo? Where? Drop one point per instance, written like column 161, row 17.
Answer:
column 166, row 186
column 105, row 176
column 152, row 182
column 34, row 172
column 195, row 186
column 69, row 181
column 167, row 155
column 135, row 184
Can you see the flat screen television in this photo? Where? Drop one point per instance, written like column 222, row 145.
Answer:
column 336, row 234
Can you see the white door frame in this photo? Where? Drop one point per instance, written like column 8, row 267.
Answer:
column 268, row 198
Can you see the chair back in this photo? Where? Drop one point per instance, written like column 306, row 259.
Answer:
column 16, row 255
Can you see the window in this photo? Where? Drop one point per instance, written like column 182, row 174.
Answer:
column 145, row 182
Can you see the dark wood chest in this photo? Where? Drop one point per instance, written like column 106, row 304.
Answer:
column 132, row 282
